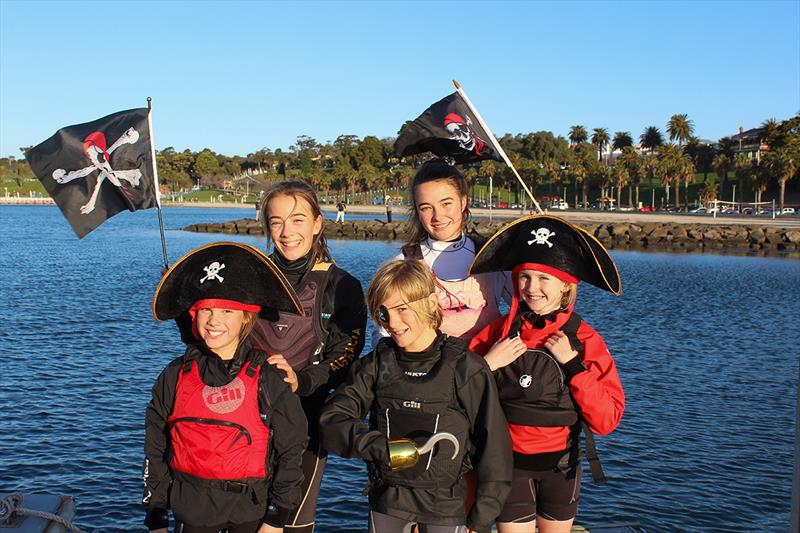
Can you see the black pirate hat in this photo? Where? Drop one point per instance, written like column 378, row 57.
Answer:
column 227, row 271
column 552, row 243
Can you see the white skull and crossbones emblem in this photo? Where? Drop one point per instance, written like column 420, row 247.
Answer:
column 542, row 236
column 212, row 272
column 94, row 146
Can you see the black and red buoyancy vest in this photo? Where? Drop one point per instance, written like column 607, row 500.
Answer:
column 534, row 390
column 217, row 432
column 300, row 339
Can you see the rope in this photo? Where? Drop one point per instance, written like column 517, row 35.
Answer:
column 10, row 506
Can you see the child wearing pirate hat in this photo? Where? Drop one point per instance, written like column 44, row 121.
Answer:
column 224, row 432
column 554, row 372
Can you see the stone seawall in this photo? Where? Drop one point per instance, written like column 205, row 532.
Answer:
column 654, row 236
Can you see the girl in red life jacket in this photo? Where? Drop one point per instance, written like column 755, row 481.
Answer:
column 224, row 433
column 554, row 372
column 416, row 384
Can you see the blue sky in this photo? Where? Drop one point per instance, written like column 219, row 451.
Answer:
column 239, row 76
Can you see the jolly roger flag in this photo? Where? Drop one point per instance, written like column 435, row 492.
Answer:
column 448, row 129
column 95, row 170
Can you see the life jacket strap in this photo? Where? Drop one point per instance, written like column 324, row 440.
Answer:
column 594, row 460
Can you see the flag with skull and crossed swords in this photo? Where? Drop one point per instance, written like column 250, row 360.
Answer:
column 95, row 170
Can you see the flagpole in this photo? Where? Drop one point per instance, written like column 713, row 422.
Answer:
column 155, row 178
column 496, row 144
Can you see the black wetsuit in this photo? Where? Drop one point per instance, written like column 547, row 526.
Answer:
column 488, row 443
column 280, row 409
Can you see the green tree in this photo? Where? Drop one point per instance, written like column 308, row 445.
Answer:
column 621, row 140
column 721, row 165
column 578, row 135
column 783, row 157
column 680, row 128
column 742, row 167
column 206, row 165
column 600, row 140
column 651, row 138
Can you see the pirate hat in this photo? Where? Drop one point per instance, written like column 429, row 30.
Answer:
column 555, row 245
column 229, row 271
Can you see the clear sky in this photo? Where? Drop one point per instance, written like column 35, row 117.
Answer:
column 239, row 76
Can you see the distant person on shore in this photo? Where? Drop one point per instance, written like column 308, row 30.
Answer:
column 388, row 201
column 340, row 209
column 453, row 391
column 197, row 462
column 437, row 236
column 315, row 349
column 553, row 371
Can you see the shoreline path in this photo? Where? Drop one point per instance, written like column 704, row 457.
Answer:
column 590, row 216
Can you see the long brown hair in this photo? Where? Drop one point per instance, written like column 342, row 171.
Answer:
column 435, row 170
column 299, row 189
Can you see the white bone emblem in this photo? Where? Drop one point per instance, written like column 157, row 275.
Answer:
column 212, row 272
column 94, row 146
column 525, row 381
column 541, row 236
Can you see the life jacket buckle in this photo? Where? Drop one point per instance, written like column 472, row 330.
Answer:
column 235, row 486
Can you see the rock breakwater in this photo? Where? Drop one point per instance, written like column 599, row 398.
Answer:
column 655, row 236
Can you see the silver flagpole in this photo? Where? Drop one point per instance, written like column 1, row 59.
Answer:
column 155, row 178
column 496, row 144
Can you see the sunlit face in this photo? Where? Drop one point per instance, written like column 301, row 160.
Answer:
column 542, row 292
column 407, row 328
column 440, row 208
column 292, row 225
column 219, row 329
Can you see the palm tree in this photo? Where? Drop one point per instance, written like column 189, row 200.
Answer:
column 771, row 127
column 680, row 128
column 577, row 135
column 651, row 138
column 650, row 167
column 670, row 161
column 742, row 167
column 686, row 173
column 630, row 160
column 600, row 139
column 783, row 166
column 721, row 166
column 622, row 178
column 621, row 140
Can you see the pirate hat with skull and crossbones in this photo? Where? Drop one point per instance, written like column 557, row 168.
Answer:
column 228, row 275
column 551, row 245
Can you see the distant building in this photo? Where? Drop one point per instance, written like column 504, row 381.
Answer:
column 751, row 142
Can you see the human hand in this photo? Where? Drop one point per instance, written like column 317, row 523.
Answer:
column 266, row 528
column 281, row 362
column 504, row 352
column 559, row 346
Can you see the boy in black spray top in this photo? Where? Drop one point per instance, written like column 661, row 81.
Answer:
column 420, row 386
column 224, row 433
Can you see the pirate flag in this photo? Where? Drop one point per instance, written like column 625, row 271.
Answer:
column 448, row 129
column 95, row 170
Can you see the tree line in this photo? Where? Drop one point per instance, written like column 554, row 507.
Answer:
column 585, row 161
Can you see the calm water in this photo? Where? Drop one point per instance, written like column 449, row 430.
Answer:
column 706, row 346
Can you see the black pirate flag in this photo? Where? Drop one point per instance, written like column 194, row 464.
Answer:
column 448, row 129
column 95, row 170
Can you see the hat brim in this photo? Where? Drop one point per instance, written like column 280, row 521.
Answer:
column 582, row 255
column 265, row 285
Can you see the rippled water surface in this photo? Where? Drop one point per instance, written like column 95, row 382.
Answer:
column 706, row 346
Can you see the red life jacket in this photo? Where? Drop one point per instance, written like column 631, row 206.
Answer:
column 217, row 432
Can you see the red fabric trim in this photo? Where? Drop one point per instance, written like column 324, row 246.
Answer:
column 218, row 303
column 560, row 274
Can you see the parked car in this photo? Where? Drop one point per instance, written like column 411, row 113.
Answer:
column 699, row 210
column 647, row 209
column 787, row 211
